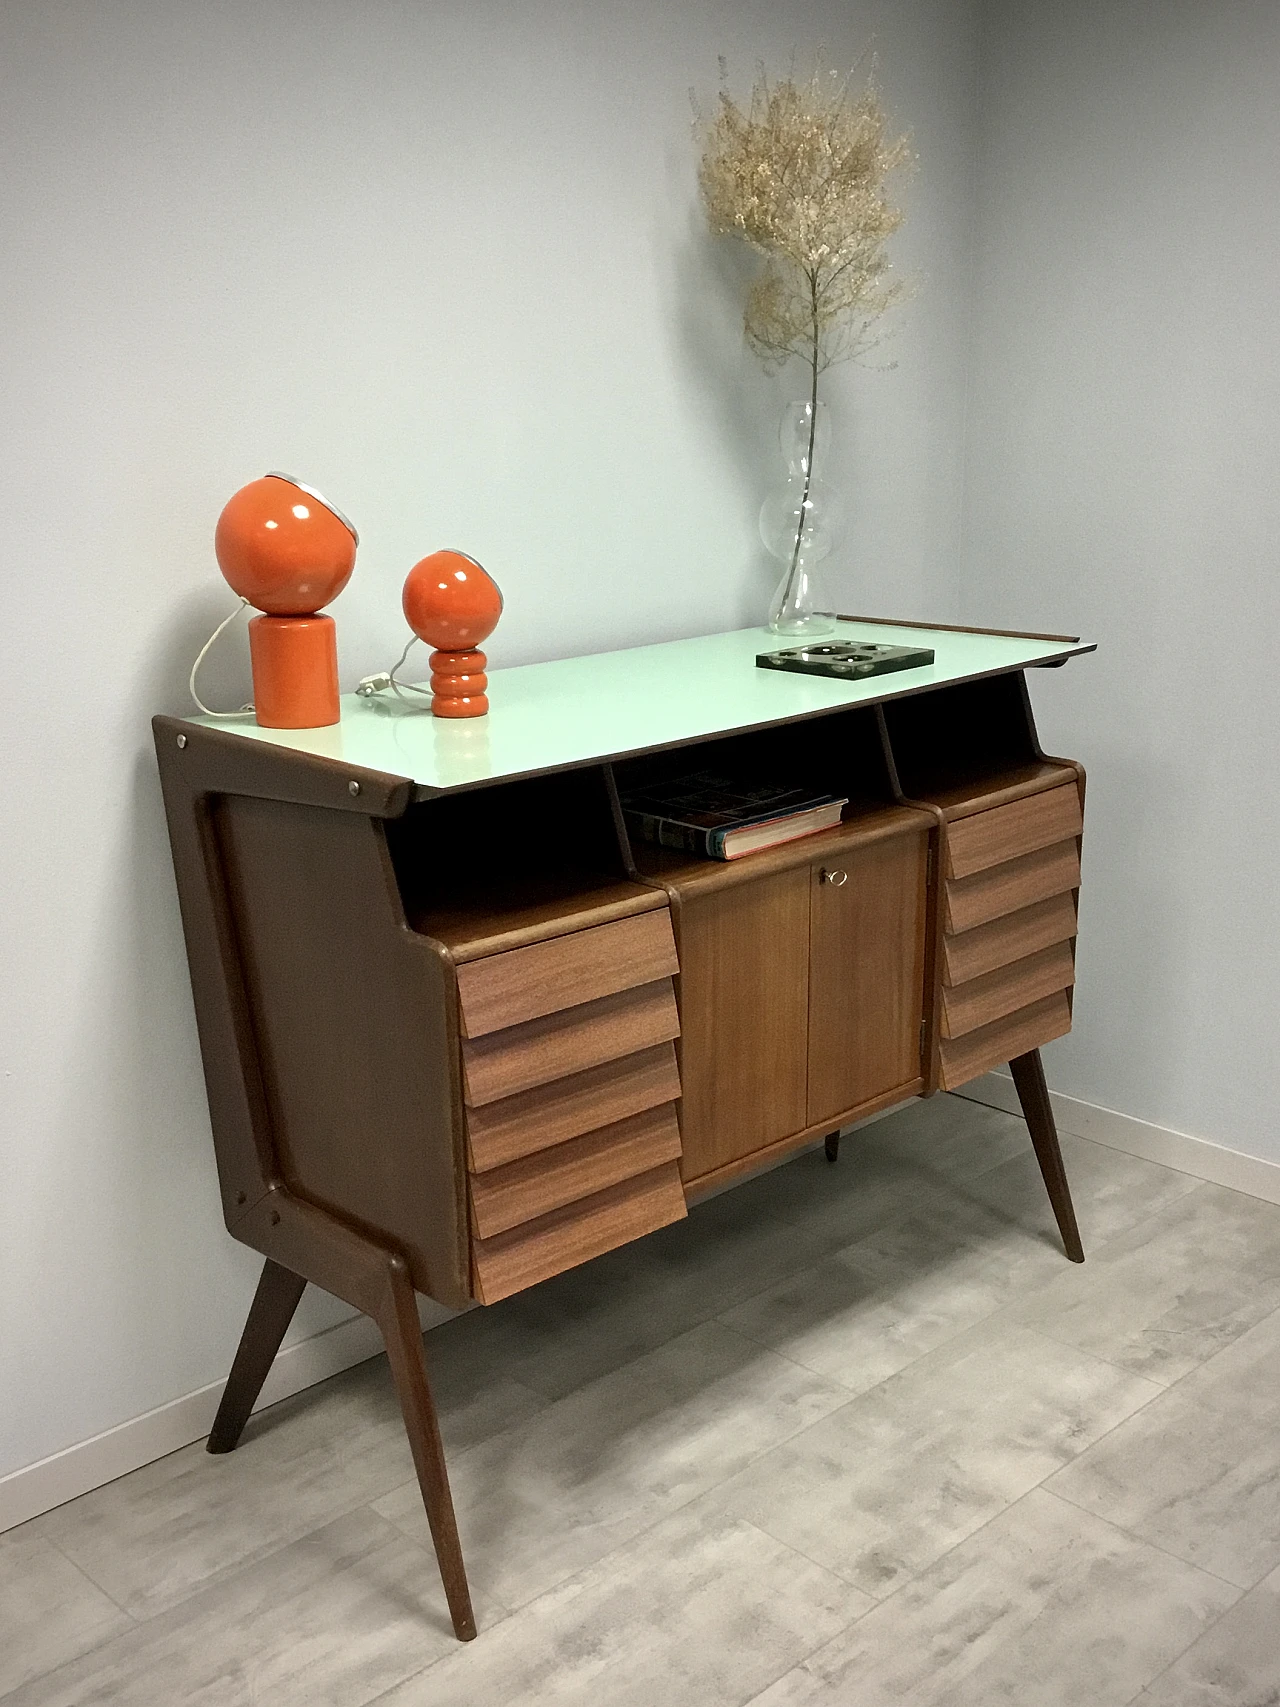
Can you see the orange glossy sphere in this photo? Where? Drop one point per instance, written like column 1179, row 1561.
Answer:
column 281, row 547
column 451, row 602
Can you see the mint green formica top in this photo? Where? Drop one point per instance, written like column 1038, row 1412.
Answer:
column 574, row 711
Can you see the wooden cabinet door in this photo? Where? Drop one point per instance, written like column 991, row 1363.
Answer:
column 744, row 982
column 866, row 973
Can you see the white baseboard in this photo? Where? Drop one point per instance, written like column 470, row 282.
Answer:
column 1178, row 1150
column 53, row 1481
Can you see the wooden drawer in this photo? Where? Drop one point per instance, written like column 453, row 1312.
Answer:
column 1005, row 833
column 525, row 983
column 502, row 1132
column 532, row 1187
column 982, row 1001
column 538, row 1249
column 979, row 1051
column 557, row 1045
column 1005, row 940
column 1007, row 888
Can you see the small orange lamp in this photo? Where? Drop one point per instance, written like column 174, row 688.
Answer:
column 286, row 550
column 453, row 604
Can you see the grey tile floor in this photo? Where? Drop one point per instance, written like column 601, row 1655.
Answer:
column 848, row 1437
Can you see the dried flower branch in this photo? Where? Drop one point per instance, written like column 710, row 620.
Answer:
column 800, row 174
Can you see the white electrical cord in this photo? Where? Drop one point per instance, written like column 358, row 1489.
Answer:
column 387, row 679
column 204, row 652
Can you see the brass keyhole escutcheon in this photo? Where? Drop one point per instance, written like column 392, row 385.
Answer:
column 837, row 879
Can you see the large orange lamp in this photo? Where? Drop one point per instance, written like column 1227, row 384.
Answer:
column 453, row 604
column 287, row 551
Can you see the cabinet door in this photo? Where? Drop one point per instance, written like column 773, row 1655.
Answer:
column 866, row 973
column 744, row 979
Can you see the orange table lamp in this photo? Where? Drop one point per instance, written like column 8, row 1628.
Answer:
column 286, row 550
column 453, row 604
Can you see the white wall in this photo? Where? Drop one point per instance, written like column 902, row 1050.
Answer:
column 443, row 260
column 1124, row 483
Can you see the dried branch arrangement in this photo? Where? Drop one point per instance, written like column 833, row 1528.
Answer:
column 800, row 174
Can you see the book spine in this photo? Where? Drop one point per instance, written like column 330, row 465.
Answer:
column 683, row 838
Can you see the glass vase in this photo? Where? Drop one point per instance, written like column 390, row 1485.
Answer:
column 800, row 522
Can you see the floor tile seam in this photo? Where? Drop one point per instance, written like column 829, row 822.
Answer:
column 790, row 1547
column 1179, row 1380
column 543, row 1400
column 1183, row 1652
column 91, row 1580
column 222, row 1579
column 1165, row 1386
column 936, row 1181
column 758, row 1345
column 1118, row 1368
column 687, row 1327
column 1241, row 1588
column 1156, row 1547
column 912, row 1577
column 862, row 1392
column 547, row 1401
column 629, row 1540
column 827, row 1570
column 958, row 1174
column 218, row 1579
column 1070, row 1345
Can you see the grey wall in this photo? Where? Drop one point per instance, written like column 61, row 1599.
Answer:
column 443, row 260
column 1124, row 482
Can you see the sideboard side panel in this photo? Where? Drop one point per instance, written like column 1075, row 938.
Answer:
column 354, row 1017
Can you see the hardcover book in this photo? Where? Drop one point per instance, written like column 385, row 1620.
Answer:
column 724, row 817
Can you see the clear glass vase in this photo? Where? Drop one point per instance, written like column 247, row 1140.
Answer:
column 800, row 522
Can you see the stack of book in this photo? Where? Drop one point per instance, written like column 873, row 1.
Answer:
column 724, row 817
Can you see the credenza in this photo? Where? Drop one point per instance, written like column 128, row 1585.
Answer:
column 460, row 1033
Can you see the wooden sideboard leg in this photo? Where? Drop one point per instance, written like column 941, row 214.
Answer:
column 274, row 1303
column 831, row 1145
column 1033, row 1094
column 402, row 1332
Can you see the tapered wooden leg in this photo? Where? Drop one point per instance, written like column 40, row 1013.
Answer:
column 269, row 1316
column 1033, row 1094
column 831, row 1145
column 403, row 1335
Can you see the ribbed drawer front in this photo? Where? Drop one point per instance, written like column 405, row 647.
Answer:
column 1007, row 832
column 536, row 1250
column 982, row 1001
column 1017, row 883
column 979, row 1051
column 525, row 983
column 1007, row 939
column 502, row 1132
column 558, row 1045
column 537, row 1184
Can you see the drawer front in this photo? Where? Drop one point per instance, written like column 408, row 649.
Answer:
column 979, row 1051
column 1007, row 888
column 982, row 1001
column 502, row 1132
column 536, row 1250
column 528, row 1189
column 1006, row 832
column 525, row 983
column 558, row 1045
column 1005, row 940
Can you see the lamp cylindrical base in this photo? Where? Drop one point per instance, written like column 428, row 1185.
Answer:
column 458, row 683
column 295, row 671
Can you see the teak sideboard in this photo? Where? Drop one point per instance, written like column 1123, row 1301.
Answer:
column 460, row 1033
